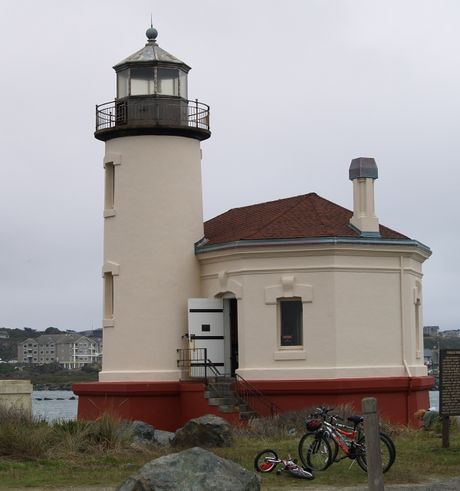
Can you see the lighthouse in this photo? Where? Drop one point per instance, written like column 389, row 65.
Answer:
column 152, row 213
column 289, row 304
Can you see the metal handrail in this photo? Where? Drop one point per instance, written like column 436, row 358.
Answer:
column 155, row 111
column 254, row 398
column 195, row 364
column 213, row 368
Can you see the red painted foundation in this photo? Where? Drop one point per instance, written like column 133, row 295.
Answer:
column 169, row 405
column 164, row 405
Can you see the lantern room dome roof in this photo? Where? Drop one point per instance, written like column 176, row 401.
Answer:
column 151, row 53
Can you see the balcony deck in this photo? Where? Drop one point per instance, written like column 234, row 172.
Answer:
column 152, row 115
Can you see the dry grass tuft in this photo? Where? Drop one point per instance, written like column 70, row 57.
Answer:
column 23, row 437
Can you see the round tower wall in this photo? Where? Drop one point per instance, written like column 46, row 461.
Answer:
column 149, row 237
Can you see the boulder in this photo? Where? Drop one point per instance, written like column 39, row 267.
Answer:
column 163, row 438
column 206, row 431
column 194, row 469
column 141, row 430
column 145, row 434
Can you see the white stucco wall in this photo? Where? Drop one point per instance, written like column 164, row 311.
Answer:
column 149, row 241
column 358, row 308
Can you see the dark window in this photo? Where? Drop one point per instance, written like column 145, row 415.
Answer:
column 291, row 322
column 205, row 327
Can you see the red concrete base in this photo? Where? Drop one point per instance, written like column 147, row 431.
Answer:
column 397, row 397
column 169, row 405
column 164, row 405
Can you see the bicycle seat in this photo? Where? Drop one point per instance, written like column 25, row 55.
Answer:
column 355, row 419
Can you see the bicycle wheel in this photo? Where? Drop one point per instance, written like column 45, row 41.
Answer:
column 390, row 441
column 265, row 460
column 387, row 452
column 334, row 450
column 315, row 451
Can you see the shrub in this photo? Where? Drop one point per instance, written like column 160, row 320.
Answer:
column 21, row 436
column 290, row 423
column 72, row 436
column 110, row 432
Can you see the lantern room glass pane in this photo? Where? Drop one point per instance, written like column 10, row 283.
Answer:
column 168, row 81
column 142, row 81
column 123, row 84
column 183, row 84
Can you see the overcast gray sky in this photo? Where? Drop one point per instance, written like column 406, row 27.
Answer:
column 296, row 88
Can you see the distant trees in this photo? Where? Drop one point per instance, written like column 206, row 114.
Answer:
column 52, row 330
column 441, row 342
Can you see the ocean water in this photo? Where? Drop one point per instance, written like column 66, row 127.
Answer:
column 434, row 399
column 54, row 405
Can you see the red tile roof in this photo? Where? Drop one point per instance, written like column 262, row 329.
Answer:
column 305, row 216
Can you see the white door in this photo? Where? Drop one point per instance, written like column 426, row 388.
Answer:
column 206, row 328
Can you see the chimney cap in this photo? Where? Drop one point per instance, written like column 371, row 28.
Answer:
column 363, row 167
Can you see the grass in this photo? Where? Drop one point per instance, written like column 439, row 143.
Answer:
column 102, row 453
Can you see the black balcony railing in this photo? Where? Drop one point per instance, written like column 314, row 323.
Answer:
column 145, row 111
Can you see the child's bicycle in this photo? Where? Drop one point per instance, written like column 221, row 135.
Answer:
column 267, row 460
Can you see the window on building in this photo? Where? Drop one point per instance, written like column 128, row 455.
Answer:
column 109, row 186
column 418, row 328
column 108, row 296
column 290, row 312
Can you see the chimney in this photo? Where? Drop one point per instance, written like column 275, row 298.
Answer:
column 363, row 172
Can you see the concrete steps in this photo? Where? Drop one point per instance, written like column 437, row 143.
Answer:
column 220, row 394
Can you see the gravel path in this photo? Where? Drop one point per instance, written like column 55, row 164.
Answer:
column 445, row 485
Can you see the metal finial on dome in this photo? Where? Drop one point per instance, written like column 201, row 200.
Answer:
column 151, row 32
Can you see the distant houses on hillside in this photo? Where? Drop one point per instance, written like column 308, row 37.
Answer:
column 433, row 332
column 68, row 350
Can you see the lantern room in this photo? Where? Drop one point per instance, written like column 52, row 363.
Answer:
column 151, row 71
column 152, row 98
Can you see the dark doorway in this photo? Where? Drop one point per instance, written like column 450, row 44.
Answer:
column 233, row 304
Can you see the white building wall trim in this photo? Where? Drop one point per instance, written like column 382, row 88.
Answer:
column 112, row 158
column 228, row 285
column 290, row 355
column 288, row 288
column 111, row 267
column 334, row 241
column 303, row 269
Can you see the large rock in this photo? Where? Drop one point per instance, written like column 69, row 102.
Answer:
column 144, row 433
column 163, row 438
column 207, row 431
column 195, row 469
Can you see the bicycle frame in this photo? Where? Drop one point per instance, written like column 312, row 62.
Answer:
column 345, row 436
column 325, row 437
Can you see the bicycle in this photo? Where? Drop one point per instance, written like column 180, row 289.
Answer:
column 267, row 460
column 319, row 447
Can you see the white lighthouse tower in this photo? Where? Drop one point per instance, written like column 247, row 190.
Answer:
column 152, row 213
